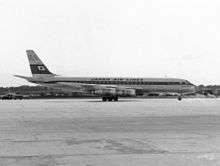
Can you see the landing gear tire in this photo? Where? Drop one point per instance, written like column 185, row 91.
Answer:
column 114, row 98
column 179, row 98
column 104, row 99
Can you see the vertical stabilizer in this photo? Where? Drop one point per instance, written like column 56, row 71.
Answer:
column 38, row 69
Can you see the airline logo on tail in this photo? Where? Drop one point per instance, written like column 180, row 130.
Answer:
column 41, row 68
column 38, row 69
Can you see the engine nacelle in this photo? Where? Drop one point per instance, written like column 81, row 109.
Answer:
column 127, row 92
column 107, row 91
column 114, row 92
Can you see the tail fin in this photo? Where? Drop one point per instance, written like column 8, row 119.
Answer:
column 38, row 69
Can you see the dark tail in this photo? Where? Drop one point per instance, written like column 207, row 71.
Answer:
column 38, row 69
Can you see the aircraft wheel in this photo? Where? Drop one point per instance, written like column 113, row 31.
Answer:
column 104, row 98
column 116, row 98
column 110, row 99
column 179, row 98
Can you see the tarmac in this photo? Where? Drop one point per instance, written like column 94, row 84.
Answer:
column 131, row 132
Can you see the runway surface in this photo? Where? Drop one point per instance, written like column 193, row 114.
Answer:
column 131, row 132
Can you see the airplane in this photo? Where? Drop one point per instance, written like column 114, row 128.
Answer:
column 108, row 88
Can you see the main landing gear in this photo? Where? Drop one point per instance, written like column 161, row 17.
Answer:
column 110, row 98
column 179, row 98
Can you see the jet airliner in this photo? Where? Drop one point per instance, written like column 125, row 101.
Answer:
column 108, row 88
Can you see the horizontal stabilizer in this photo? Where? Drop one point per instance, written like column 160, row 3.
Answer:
column 24, row 77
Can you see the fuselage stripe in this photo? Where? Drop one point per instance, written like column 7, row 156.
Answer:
column 121, row 82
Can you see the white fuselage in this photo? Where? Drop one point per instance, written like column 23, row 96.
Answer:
column 96, row 83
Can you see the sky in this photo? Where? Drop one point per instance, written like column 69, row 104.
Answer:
column 112, row 38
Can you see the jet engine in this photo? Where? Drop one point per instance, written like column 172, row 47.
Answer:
column 127, row 92
column 106, row 91
column 115, row 92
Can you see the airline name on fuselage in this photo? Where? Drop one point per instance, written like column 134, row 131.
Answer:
column 117, row 79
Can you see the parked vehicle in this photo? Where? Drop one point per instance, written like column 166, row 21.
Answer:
column 7, row 97
column 12, row 96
